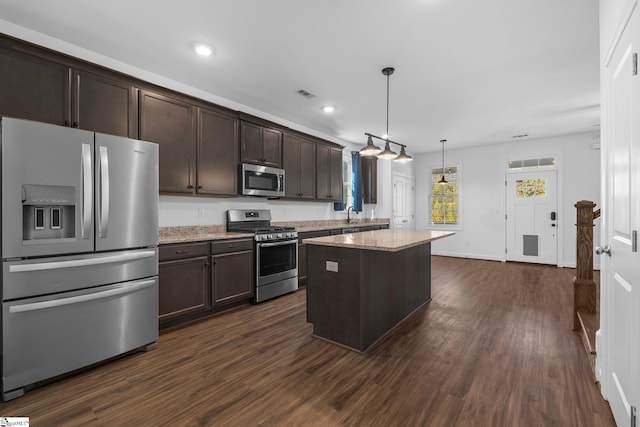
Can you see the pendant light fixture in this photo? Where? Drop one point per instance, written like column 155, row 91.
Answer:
column 388, row 153
column 371, row 149
column 443, row 180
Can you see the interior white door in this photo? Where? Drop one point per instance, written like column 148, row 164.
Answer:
column 403, row 206
column 532, row 217
column 620, row 290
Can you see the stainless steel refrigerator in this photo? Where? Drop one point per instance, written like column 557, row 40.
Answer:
column 79, row 250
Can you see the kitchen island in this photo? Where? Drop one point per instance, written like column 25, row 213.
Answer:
column 361, row 285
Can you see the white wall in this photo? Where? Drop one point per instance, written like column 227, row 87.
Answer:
column 482, row 192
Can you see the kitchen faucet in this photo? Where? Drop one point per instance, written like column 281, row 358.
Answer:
column 348, row 217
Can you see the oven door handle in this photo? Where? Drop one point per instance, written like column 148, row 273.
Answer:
column 270, row 245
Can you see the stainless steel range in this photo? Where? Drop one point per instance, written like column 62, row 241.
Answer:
column 276, row 252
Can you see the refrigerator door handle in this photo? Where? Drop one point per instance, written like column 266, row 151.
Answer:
column 87, row 190
column 81, row 298
column 21, row 268
column 103, row 223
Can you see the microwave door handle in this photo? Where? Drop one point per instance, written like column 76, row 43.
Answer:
column 87, row 190
column 103, row 223
column 280, row 183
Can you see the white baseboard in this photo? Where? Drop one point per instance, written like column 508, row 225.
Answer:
column 566, row 264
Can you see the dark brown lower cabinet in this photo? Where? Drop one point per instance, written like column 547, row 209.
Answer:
column 184, row 280
column 204, row 278
column 232, row 277
column 231, row 271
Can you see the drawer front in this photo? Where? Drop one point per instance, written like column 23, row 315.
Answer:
column 47, row 336
column 227, row 246
column 183, row 251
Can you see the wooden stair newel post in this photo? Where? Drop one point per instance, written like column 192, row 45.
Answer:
column 584, row 288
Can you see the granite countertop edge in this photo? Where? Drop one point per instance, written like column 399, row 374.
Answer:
column 194, row 234
column 374, row 240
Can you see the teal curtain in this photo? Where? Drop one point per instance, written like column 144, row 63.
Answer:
column 356, row 177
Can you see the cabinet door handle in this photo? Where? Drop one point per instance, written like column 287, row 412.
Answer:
column 232, row 246
column 206, row 264
column 66, row 123
column 199, row 187
column 75, row 124
column 189, row 186
column 182, row 252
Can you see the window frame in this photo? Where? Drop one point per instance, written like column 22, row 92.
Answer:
column 459, row 179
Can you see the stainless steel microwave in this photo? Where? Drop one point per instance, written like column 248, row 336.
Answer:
column 256, row 180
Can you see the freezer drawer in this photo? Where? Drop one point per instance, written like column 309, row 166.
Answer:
column 48, row 336
column 36, row 277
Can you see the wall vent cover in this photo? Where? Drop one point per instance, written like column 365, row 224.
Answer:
column 306, row 94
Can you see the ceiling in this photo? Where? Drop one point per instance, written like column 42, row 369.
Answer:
column 472, row 72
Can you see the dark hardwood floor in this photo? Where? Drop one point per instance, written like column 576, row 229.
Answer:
column 493, row 348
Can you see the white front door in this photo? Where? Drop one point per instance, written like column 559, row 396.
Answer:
column 532, row 217
column 618, row 347
column 403, row 207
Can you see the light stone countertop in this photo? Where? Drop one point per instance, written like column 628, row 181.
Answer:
column 201, row 233
column 380, row 240
column 187, row 234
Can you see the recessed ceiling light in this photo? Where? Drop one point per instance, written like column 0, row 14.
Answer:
column 203, row 49
column 328, row 108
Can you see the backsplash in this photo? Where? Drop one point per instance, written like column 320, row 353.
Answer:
column 177, row 211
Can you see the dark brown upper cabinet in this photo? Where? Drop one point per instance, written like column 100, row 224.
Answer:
column 369, row 179
column 170, row 123
column 328, row 173
column 37, row 89
column 217, row 153
column 105, row 105
column 299, row 163
column 34, row 89
column 260, row 144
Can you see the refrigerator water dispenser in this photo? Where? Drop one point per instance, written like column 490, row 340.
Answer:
column 48, row 212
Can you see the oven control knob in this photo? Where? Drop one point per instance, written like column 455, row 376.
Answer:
column 270, row 236
column 280, row 235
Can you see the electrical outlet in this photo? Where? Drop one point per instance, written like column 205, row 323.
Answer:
column 200, row 213
column 332, row 266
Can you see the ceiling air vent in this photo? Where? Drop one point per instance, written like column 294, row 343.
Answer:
column 306, row 94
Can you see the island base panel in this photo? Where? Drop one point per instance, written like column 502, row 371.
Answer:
column 371, row 292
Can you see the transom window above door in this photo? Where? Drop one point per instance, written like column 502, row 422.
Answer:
column 543, row 162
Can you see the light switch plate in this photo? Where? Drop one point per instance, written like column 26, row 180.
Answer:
column 332, row 266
